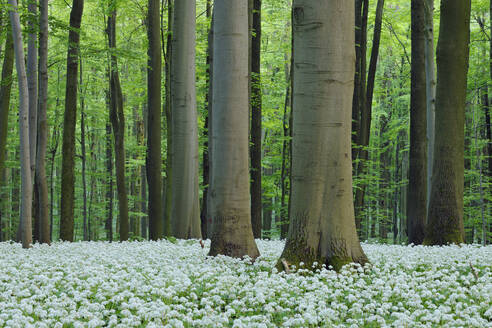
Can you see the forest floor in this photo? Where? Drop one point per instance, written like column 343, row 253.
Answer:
column 175, row 284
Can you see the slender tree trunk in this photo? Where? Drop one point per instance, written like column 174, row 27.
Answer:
column 5, row 89
column 446, row 203
column 205, row 158
column 417, row 183
column 153, row 165
column 430, row 88
column 69, row 122
column 359, row 112
column 185, row 208
column 283, row 218
column 230, row 202
column 167, row 50
column 41, row 183
column 32, row 83
column 256, row 104
column 208, row 199
column 118, row 122
column 109, row 184
column 84, row 156
column 26, row 181
column 322, row 226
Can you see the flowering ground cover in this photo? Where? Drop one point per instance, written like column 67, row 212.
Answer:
column 174, row 284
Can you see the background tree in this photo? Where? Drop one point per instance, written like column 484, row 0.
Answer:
column 256, row 128
column 69, row 122
column 153, row 165
column 42, row 211
column 26, row 185
column 230, row 202
column 322, row 226
column 417, row 184
column 446, row 203
column 117, row 118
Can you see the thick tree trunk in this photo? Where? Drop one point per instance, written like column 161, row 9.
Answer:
column 430, row 88
column 322, row 226
column 417, row 183
column 69, row 122
column 117, row 118
column 154, row 160
column 5, row 89
column 42, row 211
column 26, row 181
column 256, row 114
column 185, row 208
column 230, row 202
column 446, row 203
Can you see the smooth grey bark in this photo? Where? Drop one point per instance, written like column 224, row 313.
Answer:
column 230, row 196
column 322, row 226
column 42, row 212
column 417, row 183
column 154, row 161
column 84, row 154
column 185, row 203
column 445, row 223
column 208, row 200
column 25, row 162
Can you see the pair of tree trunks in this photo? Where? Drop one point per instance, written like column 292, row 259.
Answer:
column 445, row 224
column 26, row 181
column 117, row 119
column 322, row 226
column 69, row 122
column 363, row 94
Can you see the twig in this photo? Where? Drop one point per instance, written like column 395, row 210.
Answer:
column 286, row 265
column 474, row 272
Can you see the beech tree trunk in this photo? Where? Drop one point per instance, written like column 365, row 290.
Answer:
column 185, row 208
column 117, row 118
column 230, row 195
column 322, row 226
column 445, row 223
column 417, row 183
column 256, row 103
column 25, row 162
column 42, row 211
column 154, row 161
column 69, row 122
